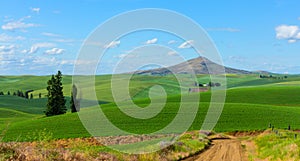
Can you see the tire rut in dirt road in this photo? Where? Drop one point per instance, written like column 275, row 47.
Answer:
column 222, row 150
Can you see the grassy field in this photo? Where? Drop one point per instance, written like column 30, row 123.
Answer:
column 276, row 144
column 251, row 104
column 91, row 149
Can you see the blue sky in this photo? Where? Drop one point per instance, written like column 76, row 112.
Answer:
column 41, row 37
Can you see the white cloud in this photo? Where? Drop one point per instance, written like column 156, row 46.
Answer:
column 286, row 32
column 33, row 50
column 24, row 51
column 50, row 34
column 54, row 51
column 187, row 44
column 6, row 54
column 228, row 29
column 112, row 44
column 19, row 24
column 35, row 47
column 298, row 35
column 36, row 10
column 172, row 42
column 292, row 41
column 7, row 49
column 152, row 41
column 6, row 38
column 44, row 60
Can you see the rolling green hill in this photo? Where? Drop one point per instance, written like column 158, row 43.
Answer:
column 251, row 104
column 30, row 106
column 235, row 117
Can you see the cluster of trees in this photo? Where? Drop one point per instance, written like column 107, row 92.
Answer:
column 2, row 93
column 56, row 103
column 273, row 77
column 20, row 93
column 209, row 84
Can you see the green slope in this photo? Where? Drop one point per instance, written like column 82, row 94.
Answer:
column 31, row 106
column 268, row 95
column 251, row 104
column 235, row 116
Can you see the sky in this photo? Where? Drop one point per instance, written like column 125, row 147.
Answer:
column 41, row 37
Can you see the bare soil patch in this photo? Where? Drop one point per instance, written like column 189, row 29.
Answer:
column 222, row 149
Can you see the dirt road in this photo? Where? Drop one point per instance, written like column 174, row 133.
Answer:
column 222, row 150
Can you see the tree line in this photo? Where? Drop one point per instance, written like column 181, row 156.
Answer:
column 209, row 84
column 273, row 77
column 56, row 102
column 20, row 93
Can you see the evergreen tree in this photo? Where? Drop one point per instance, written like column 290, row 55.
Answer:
column 8, row 93
column 31, row 96
column 20, row 93
column 56, row 104
column 74, row 102
column 26, row 95
column 40, row 95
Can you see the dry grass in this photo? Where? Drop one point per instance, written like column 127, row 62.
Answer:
column 82, row 149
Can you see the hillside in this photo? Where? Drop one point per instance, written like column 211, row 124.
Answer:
column 260, row 106
column 200, row 65
column 251, row 104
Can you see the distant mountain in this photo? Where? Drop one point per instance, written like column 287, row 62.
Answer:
column 199, row 65
column 263, row 72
